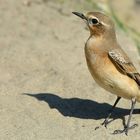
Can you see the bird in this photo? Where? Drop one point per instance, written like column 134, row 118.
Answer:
column 109, row 65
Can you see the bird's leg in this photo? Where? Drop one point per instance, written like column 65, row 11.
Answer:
column 127, row 127
column 105, row 123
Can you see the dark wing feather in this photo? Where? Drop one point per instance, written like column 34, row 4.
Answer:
column 121, row 60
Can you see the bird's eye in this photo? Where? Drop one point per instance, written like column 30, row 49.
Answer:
column 94, row 21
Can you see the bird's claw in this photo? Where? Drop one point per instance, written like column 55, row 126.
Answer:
column 105, row 123
column 125, row 130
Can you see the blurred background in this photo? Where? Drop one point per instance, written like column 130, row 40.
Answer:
column 42, row 55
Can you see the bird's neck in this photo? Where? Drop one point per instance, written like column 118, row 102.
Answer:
column 101, row 42
column 109, row 35
column 106, row 37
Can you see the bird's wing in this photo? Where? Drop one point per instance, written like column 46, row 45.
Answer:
column 123, row 63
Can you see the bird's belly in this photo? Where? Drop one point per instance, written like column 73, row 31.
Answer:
column 108, row 77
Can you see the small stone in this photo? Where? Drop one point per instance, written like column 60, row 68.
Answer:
column 27, row 2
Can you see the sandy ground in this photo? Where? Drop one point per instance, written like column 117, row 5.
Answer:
column 46, row 90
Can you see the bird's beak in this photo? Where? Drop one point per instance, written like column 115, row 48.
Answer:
column 80, row 15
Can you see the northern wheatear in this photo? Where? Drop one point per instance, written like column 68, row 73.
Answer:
column 109, row 65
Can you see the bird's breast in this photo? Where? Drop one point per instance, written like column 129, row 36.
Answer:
column 97, row 62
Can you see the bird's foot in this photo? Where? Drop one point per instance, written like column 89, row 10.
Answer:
column 105, row 123
column 125, row 130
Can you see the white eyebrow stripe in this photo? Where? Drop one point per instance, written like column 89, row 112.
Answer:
column 105, row 24
column 94, row 17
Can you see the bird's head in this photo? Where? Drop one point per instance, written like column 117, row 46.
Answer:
column 98, row 23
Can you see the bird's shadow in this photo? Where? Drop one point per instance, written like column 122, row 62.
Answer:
column 80, row 108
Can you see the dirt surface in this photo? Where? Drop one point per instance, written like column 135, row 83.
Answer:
column 46, row 90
